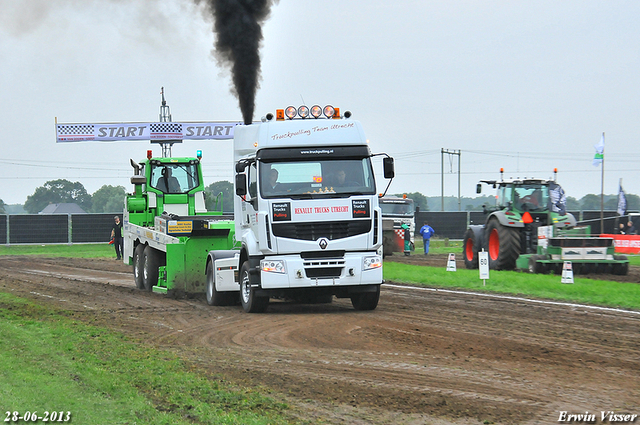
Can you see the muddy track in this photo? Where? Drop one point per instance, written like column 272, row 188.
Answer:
column 423, row 356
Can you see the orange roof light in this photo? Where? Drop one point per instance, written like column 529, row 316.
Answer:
column 149, row 154
column 280, row 114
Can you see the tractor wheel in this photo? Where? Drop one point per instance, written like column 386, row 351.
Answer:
column 503, row 245
column 150, row 268
column 250, row 302
column 366, row 300
column 138, row 266
column 215, row 297
column 535, row 266
column 470, row 248
column 620, row 269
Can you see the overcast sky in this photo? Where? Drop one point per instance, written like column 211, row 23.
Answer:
column 527, row 86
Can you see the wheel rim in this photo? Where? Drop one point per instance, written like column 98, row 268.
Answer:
column 468, row 250
column 246, row 291
column 136, row 269
column 494, row 244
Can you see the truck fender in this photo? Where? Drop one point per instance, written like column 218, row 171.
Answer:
column 504, row 220
column 226, row 264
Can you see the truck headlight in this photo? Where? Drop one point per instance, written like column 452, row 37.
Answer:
column 274, row 266
column 374, row 262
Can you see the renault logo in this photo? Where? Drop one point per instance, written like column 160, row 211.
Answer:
column 323, row 243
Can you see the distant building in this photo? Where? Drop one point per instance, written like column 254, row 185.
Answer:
column 62, row 209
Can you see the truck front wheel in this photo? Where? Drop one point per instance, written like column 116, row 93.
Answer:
column 138, row 266
column 150, row 268
column 366, row 300
column 215, row 297
column 250, row 302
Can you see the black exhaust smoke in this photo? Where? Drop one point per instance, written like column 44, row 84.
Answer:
column 238, row 25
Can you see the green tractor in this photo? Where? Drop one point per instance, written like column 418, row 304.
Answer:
column 529, row 229
column 511, row 227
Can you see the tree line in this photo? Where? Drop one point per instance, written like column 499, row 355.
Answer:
column 110, row 199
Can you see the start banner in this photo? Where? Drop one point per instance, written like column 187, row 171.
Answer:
column 154, row 131
column 625, row 244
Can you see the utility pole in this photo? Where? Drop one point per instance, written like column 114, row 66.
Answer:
column 450, row 153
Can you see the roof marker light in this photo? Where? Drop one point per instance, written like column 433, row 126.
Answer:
column 290, row 112
column 303, row 111
column 328, row 111
column 149, row 154
column 316, row 111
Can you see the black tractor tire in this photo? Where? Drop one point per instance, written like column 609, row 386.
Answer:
column 503, row 245
column 470, row 248
column 366, row 300
column 138, row 266
column 250, row 302
column 620, row 269
column 535, row 266
column 215, row 297
column 150, row 268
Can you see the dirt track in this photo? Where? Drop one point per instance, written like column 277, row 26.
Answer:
column 423, row 357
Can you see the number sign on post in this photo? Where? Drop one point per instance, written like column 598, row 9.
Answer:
column 483, row 262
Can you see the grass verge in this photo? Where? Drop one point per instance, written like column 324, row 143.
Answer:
column 89, row 250
column 54, row 363
column 586, row 291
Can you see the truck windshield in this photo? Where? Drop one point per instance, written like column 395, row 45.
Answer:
column 317, row 178
column 531, row 197
column 174, row 178
column 397, row 208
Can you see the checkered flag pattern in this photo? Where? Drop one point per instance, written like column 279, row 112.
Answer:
column 75, row 130
column 166, row 128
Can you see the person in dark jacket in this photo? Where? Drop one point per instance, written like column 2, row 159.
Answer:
column 116, row 237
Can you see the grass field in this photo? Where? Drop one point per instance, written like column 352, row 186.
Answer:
column 53, row 362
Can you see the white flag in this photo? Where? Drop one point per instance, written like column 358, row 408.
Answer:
column 622, row 201
column 599, row 156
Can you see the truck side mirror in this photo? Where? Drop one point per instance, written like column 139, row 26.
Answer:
column 240, row 166
column 241, row 184
column 388, row 167
column 479, row 188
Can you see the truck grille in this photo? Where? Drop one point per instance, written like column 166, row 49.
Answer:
column 324, row 269
column 323, row 229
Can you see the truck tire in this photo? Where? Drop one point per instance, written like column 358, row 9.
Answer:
column 250, row 302
column 138, row 266
column 470, row 248
column 215, row 297
column 366, row 300
column 503, row 245
column 150, row 268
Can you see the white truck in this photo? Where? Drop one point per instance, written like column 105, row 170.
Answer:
column 306, row 213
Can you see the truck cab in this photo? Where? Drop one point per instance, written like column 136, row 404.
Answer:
column 307, row 211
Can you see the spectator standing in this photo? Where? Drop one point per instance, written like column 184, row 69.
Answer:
column 426, row 231
column 116, row 236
